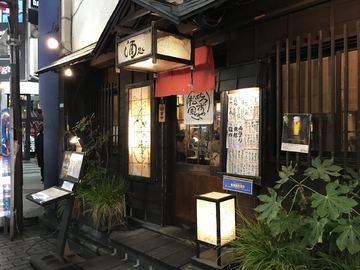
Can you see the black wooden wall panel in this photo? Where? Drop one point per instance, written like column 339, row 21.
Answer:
column 346, row 13
column 239, row 35
column 267, row 33
column 312, row 20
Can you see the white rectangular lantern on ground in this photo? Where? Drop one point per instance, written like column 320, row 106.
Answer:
column 154, row 50
column 215, row 220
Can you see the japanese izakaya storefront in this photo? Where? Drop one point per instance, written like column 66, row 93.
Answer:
column 222, row 110
column 214, row 130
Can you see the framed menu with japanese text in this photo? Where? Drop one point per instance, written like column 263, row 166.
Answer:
column 72, row 166
column 243, row 128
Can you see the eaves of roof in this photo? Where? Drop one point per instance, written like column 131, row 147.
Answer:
column 104, row 38
column 178, row 12
column 172, row 12
column 75, row 57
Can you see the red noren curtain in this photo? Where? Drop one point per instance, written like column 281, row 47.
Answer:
column 178, row 81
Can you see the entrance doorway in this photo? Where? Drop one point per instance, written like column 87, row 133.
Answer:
column 197, row 145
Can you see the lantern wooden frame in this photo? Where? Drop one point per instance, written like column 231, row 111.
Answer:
column 150, row 58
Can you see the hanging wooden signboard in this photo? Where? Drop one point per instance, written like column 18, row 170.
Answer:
column 162, row 113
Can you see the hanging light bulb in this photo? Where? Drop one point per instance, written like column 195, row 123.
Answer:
column 68, row 72
column 52, row 43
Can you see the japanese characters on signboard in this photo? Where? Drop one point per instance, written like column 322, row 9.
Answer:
column 5, row 181
column 238, row 184
column 242, row 141
column 199, row 108
column 134, row 48
column 161, row 113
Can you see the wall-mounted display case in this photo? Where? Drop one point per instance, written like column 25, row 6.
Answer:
column 242, row 87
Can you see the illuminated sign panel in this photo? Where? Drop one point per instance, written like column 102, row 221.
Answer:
column 6, row 13
column 139, row 131
column 154, row 50
column 5, row 181
column 34, row 3
column 5, row 70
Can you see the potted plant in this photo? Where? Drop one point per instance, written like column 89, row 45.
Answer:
column 100, row 197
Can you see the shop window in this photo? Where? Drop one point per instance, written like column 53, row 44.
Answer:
column 198, row 143
column 139, row 131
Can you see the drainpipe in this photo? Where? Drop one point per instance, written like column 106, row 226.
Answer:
column 65, row 49
column 65, row 27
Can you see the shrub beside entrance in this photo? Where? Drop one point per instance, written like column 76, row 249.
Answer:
column 318, row 231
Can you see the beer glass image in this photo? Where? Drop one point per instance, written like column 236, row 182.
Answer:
column 296, row 125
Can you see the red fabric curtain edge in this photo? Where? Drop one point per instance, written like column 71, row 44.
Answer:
column 178, row 81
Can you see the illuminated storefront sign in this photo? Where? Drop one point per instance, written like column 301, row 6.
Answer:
column 154, row 50
column 5, row 13
column 34, row 3
column 242, row 140
column 5, row 181
column 139, row 131
column 5, row 70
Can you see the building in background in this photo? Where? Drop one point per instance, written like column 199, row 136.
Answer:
column 29, row 86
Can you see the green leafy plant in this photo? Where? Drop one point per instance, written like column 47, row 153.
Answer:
column 314, row 219
column 100, row 195
column 106, row 202
column 96, row 149
column 344, row 261
column 256, row 248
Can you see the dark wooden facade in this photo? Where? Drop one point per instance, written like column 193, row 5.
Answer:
column 279, row 38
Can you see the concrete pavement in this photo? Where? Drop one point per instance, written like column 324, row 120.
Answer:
column 40, row 238
column 36, row 239
column 31, row 179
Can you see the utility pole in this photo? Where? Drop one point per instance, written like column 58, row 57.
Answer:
column 16, row 218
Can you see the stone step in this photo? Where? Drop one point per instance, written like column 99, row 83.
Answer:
column 109, row 262
column 153, row 250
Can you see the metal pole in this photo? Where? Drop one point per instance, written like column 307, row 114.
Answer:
column 16, row 219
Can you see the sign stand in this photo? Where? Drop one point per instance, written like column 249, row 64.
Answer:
column 71, row 173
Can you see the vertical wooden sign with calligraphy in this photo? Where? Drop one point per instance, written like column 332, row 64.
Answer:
column 162, row 113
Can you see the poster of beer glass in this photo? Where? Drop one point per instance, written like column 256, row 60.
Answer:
column 296, row 132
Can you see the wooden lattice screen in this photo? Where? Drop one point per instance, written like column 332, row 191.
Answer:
column 321, row 77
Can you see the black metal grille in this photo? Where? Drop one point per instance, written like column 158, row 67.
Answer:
column 105, row 105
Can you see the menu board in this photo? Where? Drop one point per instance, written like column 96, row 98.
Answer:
column 242, row 141
column 48, row 195
column 75, row 165
column 72, row 166
column 65, row 164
